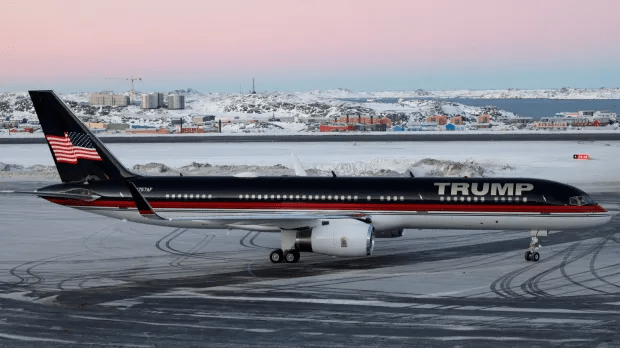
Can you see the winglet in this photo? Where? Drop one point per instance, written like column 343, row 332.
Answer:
column 143, row 206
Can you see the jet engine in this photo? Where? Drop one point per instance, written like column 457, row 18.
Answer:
column 337, row 238
column 393, row 233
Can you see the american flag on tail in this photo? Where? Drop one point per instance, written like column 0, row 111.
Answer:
column 72, row 146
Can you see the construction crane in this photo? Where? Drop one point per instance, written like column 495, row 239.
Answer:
column 132, row 79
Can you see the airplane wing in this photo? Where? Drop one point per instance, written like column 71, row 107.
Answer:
column 285, row 221
column 53, row 194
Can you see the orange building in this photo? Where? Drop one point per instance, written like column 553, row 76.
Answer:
column 386, row 121
column 457, row 120
column 486, row 118
column 336, row 128
column 440, row 120
column 148, row 131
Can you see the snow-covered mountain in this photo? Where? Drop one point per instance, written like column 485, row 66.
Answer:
column 562, row 93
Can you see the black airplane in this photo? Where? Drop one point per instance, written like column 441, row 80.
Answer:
column 339, row 216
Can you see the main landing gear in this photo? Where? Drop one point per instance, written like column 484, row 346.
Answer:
column 532, row 253
column 289, row 256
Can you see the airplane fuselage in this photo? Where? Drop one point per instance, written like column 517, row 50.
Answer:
column 391, row 203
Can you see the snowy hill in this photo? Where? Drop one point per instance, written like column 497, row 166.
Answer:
column 283, row 112
column 278, row 111
column 562, row 93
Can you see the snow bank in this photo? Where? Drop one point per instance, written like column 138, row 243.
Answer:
column 372, row 167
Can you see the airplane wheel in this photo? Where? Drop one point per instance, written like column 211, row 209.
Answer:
column 535, row 257
column 297, row 256
column 290, row 256
column 528, row 256
column 276, row 256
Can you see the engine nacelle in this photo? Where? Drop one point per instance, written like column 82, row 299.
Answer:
column 338, row 238
column 393, row 233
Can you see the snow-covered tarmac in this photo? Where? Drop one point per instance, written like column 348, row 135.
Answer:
column 69, row 278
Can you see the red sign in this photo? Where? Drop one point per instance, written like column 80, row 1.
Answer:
column 581, row 156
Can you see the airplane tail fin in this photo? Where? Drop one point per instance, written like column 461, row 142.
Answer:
column 78, row 154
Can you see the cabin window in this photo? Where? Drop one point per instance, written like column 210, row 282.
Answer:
column 355, row 198
column 185, row 196
column 469, row 199
column 240, row 196
column 203, row 196
column 524, row 199
column 462, row 199
column 247, row 196
column 448, row 198
column 389, row 198
column 167, row 195
column 348, row 198
column 402, row 198
column 253, row 196
column 303, row 197
column 481, row 199
column 441, row 199
column 475, row 199
column 509, row 199
column 496, row 199
column 503, row 199
column 368, row 198
column 381, row 198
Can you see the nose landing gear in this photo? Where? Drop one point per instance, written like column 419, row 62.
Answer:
column 532, row 253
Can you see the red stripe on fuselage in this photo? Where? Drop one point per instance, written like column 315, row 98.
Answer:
column 356, row 206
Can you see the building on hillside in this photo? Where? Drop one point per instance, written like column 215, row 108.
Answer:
column 148, row 131
column 336, row 128
column 386, row 121
column 456, row 120
column 551, row 123
column 150, row 101
column 455, row 127
column 190, row 130
column 96, row 125
column 201, row 120
column 376, row 127
column 515, row 120
column 96, row 99
column 486, row 118
column 605, row 113
column 117, row 126
column 439, row 120
column 176, row 102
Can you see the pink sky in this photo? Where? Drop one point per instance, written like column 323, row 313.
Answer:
column 74, row 43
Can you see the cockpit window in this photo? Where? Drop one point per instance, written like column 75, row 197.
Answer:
column 580, row 200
